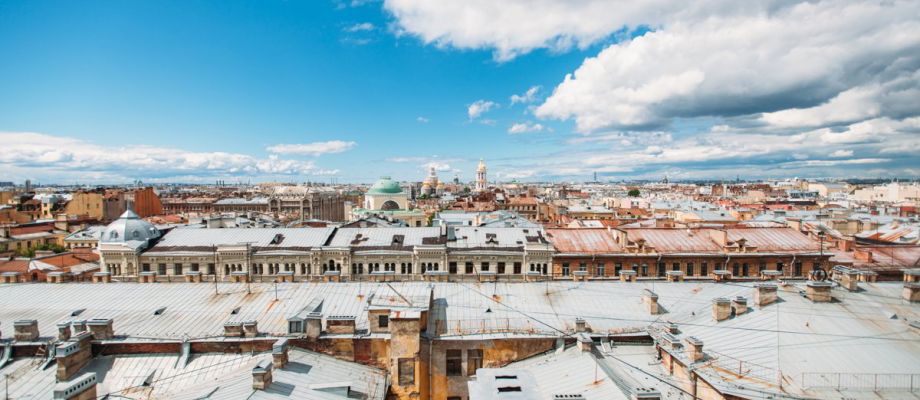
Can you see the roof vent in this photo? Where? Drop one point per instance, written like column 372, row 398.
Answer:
column 159, row 311
column 506, row 389
column 277, row 239
column 568, row 396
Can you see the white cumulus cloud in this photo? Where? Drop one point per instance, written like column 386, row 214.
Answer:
column 526, row 127
column 313, row 149
column 480, row 107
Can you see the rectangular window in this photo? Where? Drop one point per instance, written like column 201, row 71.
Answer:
column 452, row 267
column 383, row 321
column 517, row 268
column 473, row 361
column 675, row 266
column 484, row 267
column 617, row 267
column 798, row 269
column 736, row 269
column 745, row 269
column 145, row 267
column 406, row 367
column 194, row 267
column 161, row 269
column 582, row 267
column 704, row 268
column 454, row 365
column 501, row 268
column 565, row 269
column 177, row 269
column 779, row 266
column 762, row 267
column 689, row 269
column 295, row 327
column 469, row 268
column 599, row 271
column 644, row 270
column 211, row 269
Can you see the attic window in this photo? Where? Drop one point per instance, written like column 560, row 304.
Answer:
column 398, row 240
column 505, row 389
column 235, row 311
column 159, row 311
column 113, row 235
column 77, row 312
column 505, row 376
column 277, row 239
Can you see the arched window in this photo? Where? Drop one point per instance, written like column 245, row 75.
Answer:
column 389, row 205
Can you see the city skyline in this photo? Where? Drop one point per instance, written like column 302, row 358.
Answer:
column 315, row 91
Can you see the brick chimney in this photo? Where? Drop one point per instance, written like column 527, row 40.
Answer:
column 650, row 299
column 675, row 276
column 233, row 329
column 628, row 275
column 250, row 329
column 314, row 325
column 911, row 292
column 63, row 331
column 262, row 375
column 79, row 326
column 585, row 343
column 848, row 279
column 193, row 276
column 101, row 328
column 340, row 324
column 580, row 325
column 73, row 355
column 818, row 292
column 280, row 353
column 82, row 387
column 25, row 330
column 721, row 309
column 694, row 349
column 739, row 304
column 764, row 293
column 148, row 277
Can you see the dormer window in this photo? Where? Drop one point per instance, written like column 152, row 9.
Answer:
column 136, row 234
column 113, row 235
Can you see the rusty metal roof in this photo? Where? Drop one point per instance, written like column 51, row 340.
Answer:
column 588, row 241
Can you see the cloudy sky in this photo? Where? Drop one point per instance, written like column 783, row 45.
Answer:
column 350, row 90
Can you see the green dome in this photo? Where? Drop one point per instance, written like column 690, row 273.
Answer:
column 385, row 186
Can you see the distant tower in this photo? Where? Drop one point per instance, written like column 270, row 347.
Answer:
column 481, row 176
column 29, row 184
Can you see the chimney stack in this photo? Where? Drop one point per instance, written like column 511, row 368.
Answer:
column 818, row 292
column 101, row 328
column 627, row 275
column 79, row 326
column 739, row 304
column 81, row 388
column 911, row 292
column 233, row 329
column 250, row 329
column 721, row 309
column 314, row 324
column 585, row 343
column 579, row 324
column 651, row 301
column 764, row 293
column 280, row 353
column 694, row 349
column 63, row 331
column 262, row 375
column 73, row 355
column 9, row 277
column 340, row 324
column 25, row 330
column 102, row 277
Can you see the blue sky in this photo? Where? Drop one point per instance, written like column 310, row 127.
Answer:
column 315, row 90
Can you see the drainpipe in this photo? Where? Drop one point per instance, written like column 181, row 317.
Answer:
column 793, row 262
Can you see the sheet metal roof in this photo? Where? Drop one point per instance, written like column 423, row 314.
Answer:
column 585, row 241
column 774, row 239
column 381, row 237
column 257, row 237
column 211, row 376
